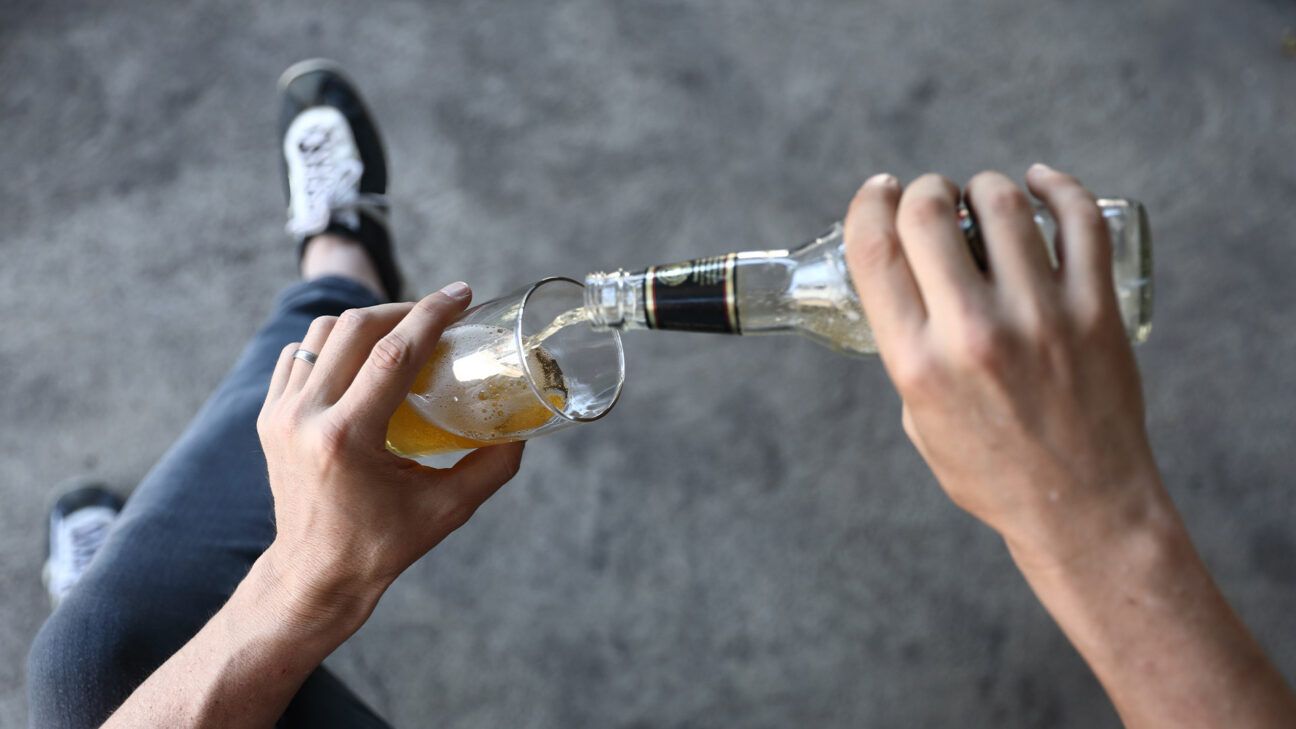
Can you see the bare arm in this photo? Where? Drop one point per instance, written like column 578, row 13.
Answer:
column 247, row 663
column 349, row 515
column 1021, row 393
column 1141, row 608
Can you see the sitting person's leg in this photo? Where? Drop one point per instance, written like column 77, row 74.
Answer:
column 192, row 529
column 185, row 539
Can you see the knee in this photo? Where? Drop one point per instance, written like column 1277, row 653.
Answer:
column 85, row 661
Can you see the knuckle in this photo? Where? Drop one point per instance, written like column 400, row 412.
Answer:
column 456, row 512
column 290, row 418
column 1053, row 357
column 1083, row 211
column 1042, row 322
column 322, row 323
column 392, row 352
column 982, row 346
column 929, row 199
column 334, row 437
column 871, row 193
column 353, row 318
column 874, row 247
column 433, row 306
column 935, row 180
column 1065, row 180
column 1093, row 314
column 1007, row 200
column 928, row 209
column 913, row 373
column 986, row 178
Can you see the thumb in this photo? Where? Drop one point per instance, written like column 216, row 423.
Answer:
column 476, row 477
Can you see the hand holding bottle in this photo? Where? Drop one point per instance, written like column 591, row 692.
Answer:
column 1021, row 392
column 1019, row 386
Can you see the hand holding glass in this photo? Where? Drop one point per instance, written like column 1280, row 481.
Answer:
column 510, row 369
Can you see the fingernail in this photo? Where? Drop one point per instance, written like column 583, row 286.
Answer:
column 1041, row 167
column 883, row 180
column 457, row 290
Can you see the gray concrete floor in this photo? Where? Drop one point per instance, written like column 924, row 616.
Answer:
column 749, row 540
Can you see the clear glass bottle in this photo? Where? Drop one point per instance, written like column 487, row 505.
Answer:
column 808, row 290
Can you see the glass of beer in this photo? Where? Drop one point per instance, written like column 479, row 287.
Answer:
column 511, row 369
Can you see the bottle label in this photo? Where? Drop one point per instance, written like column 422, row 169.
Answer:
column 698, row 295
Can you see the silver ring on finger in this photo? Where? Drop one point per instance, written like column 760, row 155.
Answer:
column 305, row 356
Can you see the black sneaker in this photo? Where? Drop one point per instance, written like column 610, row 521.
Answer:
column 335, row 173
column 78, row 525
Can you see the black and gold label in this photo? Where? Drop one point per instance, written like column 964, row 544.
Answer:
column 697, row 295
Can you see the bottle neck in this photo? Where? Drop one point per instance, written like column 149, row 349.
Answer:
column 614, row 300
column 699, row 295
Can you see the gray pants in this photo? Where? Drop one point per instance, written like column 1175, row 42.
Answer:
column 188, row 535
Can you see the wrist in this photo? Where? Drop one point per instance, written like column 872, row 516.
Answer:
column 1099, row 578
column 315, row 598
column 1134, row 513
column 1139, row 605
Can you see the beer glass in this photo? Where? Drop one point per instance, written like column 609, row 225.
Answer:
column 511, row 369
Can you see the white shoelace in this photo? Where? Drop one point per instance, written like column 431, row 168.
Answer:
column 78, row 537
column 331, row 186
column 86, row 541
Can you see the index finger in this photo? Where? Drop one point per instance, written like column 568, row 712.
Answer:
column 388, row 374
column 878, row 266
column 937, row 251
column 348, row 346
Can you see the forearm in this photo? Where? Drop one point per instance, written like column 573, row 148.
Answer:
column 1142, row 609
column 247, row 663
